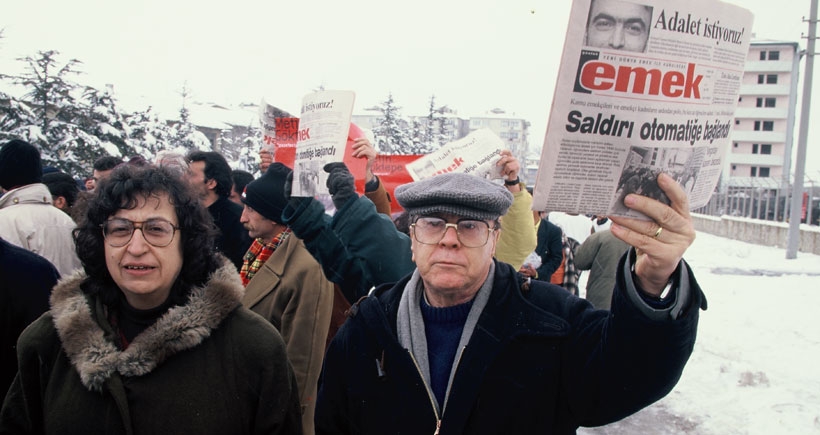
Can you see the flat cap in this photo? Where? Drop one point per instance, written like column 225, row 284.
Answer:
column 463, row 195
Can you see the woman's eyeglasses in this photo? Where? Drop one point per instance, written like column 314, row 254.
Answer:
column 157, row 232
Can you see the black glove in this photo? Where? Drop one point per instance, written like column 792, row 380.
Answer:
column 340, row 184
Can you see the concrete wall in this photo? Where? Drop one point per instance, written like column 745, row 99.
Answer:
column 759, row 232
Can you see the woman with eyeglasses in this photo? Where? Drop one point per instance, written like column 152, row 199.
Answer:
column 150, row 337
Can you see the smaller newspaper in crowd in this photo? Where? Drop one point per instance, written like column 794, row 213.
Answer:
column 643, row 88
column 322, row 136
column 476, row 153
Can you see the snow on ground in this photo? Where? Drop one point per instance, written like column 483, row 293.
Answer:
column 756, row 364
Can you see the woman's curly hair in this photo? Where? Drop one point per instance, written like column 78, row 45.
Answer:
column 122, row 190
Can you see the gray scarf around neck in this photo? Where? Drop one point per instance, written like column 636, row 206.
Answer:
column 411, row 327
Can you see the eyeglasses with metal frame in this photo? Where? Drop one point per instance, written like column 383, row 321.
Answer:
column 158, row 232
column 471, row 233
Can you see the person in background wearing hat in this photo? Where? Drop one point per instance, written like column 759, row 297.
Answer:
column 209, row 174
column 465, row 345
column 28, row 218
column 285, row 284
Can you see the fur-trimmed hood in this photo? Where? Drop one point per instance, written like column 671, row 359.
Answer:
column 182, row 327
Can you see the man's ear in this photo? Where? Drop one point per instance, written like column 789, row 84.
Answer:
column 60, row 202
column 210, row 184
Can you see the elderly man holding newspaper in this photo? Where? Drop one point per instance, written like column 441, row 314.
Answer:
column 465, row 345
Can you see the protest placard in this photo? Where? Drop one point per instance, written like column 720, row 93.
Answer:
column 642, row 88
column 476, row 153
column 324, row 124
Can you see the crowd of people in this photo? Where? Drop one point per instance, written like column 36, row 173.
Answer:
column 241, row 308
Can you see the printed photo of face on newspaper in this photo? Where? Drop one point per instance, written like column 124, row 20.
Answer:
column 618, row 25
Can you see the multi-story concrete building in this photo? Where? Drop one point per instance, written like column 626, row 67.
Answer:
column 763, row 134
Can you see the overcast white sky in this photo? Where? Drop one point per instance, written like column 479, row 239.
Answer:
column 473, row 55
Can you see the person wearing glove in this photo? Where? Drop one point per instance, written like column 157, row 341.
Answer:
column 358, row 247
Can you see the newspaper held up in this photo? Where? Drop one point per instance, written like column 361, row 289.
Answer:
column 323, row 130
column 643, row 87
column 476, row 153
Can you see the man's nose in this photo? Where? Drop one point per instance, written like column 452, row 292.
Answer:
column 617, row 38
column 449, row 239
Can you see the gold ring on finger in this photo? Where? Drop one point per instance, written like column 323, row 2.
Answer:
column 658, row 233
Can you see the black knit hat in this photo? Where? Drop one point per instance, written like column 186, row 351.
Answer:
column 456, row 193
column 19, row 164
column 266, row 194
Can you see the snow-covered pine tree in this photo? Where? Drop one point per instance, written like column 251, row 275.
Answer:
column 430, row 132
column 103, row 119
column 57, row 106
column 17, row 120
column 185, row 134
column 391, row 133
column 147, row 134
column 249, row 154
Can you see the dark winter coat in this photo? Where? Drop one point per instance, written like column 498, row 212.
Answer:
column 233, row 240
column 207, row 367
column 26, row 280
column 539, row 361
column 549, row 248
column 358, row 248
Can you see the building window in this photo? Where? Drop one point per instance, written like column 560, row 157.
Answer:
column 763, row 55
column 764, row 172
column 766, row 148
column 755, row 148
column 734, row 167
column 754, row 171
column 735, row 144
column 761, row 78
column 764, row 125
column 774, row 55
column 766, row 102
column 737, row 122
column 771, row 79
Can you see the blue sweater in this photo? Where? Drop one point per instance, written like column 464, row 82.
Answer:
column 443, row 327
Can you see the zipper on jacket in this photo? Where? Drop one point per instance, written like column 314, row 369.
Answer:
column 455, row 364
column 429, row 393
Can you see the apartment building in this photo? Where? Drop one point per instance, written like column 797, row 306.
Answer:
column 763, row 134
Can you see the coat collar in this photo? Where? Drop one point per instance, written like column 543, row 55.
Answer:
column 77, row 320
column 36, row 193
column 270, row 274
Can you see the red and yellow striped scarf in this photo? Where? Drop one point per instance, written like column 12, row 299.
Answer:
column 258, row 254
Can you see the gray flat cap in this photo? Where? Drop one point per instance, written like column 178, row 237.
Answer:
column 460, row 194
